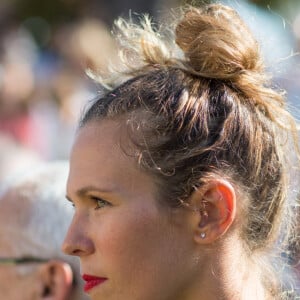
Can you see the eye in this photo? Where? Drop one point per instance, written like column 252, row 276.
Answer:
column 70, row 201
column 100, row 203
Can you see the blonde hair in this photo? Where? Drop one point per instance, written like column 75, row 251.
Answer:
column 198, row 103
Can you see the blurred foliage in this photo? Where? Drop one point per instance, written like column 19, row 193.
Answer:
column 58, row 11
column 288, row 9
column 42, row 18
column 54, row 12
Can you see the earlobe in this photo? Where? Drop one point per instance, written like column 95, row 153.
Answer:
column 57, row 278
column 216, row 209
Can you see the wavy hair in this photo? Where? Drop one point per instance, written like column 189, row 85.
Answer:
column 198, row 103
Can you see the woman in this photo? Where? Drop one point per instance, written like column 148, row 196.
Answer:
column 177, row 174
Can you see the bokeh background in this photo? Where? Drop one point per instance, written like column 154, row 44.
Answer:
column 45, row 47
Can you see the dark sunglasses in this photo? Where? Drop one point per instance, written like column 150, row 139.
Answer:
column 21, row 260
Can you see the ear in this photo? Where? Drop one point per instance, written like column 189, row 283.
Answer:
column 56, row 279
column 215, row 208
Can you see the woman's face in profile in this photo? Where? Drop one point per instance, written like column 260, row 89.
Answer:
column 130, row 246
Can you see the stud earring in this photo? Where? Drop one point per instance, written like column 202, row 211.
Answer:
column 203, row 235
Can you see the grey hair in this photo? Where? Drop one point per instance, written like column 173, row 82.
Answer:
column 46, row 215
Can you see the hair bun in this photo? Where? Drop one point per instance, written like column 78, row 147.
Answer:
column 217, row 43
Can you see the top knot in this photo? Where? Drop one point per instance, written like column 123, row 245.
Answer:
column 217, row 44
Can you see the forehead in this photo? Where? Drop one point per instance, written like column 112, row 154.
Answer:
column 15, row 204
column 101, row 155
column 15, row 208
column 13, row 219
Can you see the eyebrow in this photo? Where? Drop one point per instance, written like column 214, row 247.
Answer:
column 85, row 190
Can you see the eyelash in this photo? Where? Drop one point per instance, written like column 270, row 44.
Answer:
column 100, row 203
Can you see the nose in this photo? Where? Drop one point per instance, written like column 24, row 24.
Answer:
column 77, row 241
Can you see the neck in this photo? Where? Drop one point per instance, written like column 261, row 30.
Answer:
column 230, row 275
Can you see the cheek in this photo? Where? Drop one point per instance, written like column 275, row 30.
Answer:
column 137, row 241
column 126, row 238
column 142, row 253
column 10, row 284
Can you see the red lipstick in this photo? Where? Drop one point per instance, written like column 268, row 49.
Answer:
column 92, row 281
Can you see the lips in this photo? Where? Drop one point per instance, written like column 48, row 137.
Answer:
column 92, row 281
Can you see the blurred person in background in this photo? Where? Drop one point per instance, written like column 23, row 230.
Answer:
column 16, row 89
column 14, row 157
column 42, row 111
column 33, row 221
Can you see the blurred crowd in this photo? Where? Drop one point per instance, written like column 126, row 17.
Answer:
column 46, row 48
column 43, row 58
